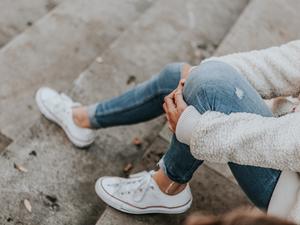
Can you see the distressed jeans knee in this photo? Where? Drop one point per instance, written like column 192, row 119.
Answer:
column 216, row 86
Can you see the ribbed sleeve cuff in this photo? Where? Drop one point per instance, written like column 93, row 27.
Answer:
column 186, row 124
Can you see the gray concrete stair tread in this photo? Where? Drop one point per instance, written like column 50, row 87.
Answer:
column 170, row 38
column 263, row 24
column 17, row 16
column 59, row 170
column 55, row 50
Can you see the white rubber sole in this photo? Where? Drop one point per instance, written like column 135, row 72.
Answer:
column 52, row 117
column 127, row 208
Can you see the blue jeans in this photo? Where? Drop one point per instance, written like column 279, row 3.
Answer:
column 213, row 86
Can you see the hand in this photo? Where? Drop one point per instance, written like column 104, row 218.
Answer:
column 174, row 105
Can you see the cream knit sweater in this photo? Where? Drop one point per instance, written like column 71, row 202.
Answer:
column 250, row 139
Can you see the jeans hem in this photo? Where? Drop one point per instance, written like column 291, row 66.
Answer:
column 92, row 116
column 163, row 167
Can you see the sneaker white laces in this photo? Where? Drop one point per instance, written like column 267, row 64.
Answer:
column 67, row 99
column 57, row 105
column 137, row 187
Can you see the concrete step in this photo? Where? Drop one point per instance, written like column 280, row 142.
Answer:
column 260, row 26
column 181, row 37
column 17, row 16
column 55, row 50
column 60, row 178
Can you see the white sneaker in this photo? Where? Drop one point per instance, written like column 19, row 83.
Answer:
column 58, row 108
column 139, row 194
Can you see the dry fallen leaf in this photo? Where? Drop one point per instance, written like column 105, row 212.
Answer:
column 27, row 205
column 136, row 141
column 20, row 168
column 127, row 168
column 131, row 79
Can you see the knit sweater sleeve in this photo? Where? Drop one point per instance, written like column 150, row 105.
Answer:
column 243, row 138
column 272, row 72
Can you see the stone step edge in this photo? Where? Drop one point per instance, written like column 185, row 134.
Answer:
column 73, row 83
column 30, row 23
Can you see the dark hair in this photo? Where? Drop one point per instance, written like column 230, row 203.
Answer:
column 237, row 217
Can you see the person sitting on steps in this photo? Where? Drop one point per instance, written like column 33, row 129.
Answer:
column 217, row 113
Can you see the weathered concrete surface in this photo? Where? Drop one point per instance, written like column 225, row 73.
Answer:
column 57, row 169
column 162, row 35
column 209, row 190
column 168, row 36
column 55, row 50
column 264, row 24
column 16, row 16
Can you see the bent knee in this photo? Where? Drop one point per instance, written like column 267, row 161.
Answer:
column 208, row 79
column 170, row 76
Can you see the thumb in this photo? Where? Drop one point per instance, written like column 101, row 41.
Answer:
column 179, row 88
column 179, row 94
column 181, row 84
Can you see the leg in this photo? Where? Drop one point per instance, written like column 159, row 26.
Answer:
column 143, row 102
column 218, row 87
